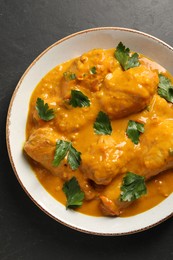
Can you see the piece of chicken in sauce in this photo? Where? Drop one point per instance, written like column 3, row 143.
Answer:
column 106, row 158
column 127, row 92
column 41, row 148
column 122, row 95
column 154, row 155
column 68, row 121
column 88, row 71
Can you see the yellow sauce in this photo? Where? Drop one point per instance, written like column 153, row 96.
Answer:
column 76, row 125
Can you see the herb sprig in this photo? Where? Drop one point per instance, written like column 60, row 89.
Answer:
column 102, row 125
column 78, row 99
column 133, row 187
column 165, row 88
column 43, row 110
column 122, row 54
column 64, row 148
column 73, row 193
column 133, row 131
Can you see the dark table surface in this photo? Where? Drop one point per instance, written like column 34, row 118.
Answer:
column 26, row 29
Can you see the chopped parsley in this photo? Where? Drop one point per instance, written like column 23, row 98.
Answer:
column 64, row 148
column 122, row 54
column 102, row 125
column 133, row 187
column 69, row 75
column 133, row 131
column 73, row 193
column 43, row 110
column 165, row 88
column 78, row 99
column 93, row 70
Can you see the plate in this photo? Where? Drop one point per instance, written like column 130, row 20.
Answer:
column 63, row 50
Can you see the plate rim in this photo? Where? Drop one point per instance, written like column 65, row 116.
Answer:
column 8, row 131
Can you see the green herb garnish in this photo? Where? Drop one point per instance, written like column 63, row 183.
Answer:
column 43, row 110
column 122, row 54
column 61, row 150
column 78, row 99
column 69, row 75
column 73, row 193
column 93, row 70
column 133, row 187
column 165, row 88
column 133, row 131
column 102, row 125
column 64, row 148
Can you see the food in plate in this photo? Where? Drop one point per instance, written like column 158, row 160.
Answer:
column 99, row 132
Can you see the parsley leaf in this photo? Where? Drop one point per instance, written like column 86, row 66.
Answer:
column 133, row 187
column 102, row 125
column 78, row 99
column 133, row 131
column 165, row 88
column 93, row 70
column 64, row 148
column 61, row 150
column 126, row 61
column 132, row 62
column 69, row 75
column 43, row 110
column 73, row 193
column 122, row 54
column 73, row 158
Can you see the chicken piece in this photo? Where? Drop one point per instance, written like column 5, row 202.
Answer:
column 154, row 156
column 110, row 204
column 151, row 64
column 41, row 147
column 90, row 70
column 160, row 109
column 70, row 120
column 105, row 159
column 127, row 92
column 110, row 156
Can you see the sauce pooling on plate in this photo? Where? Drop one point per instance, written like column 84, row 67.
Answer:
column 99, row 133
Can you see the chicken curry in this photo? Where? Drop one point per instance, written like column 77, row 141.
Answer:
column 99, row 133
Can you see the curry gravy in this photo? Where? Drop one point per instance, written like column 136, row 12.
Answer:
column 49, row 89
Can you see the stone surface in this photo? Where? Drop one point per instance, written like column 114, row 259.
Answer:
column 26, row 29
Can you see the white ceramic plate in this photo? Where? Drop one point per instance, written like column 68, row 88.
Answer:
column 65, row 49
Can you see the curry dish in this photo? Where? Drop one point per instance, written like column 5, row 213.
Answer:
column 99, row 133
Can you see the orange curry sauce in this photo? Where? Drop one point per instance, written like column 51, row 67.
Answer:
column 76, row 124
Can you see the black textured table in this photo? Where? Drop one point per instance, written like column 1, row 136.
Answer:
column 26, row 29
